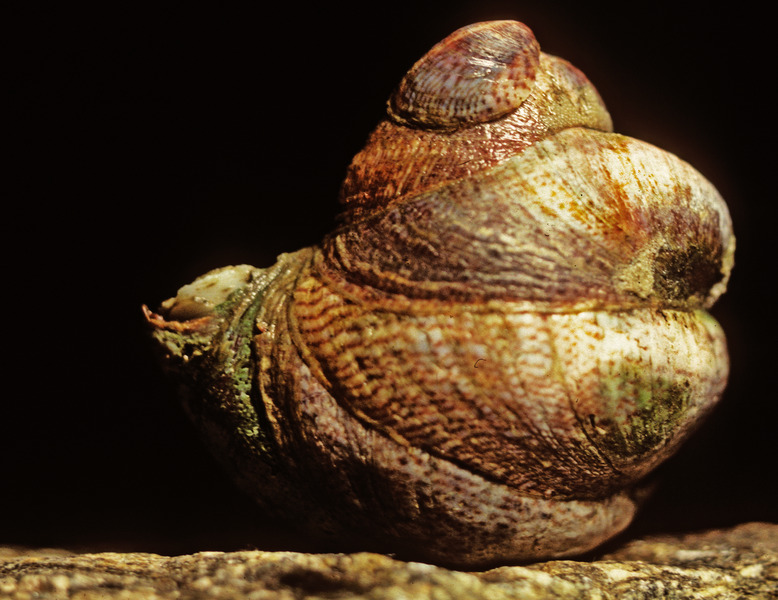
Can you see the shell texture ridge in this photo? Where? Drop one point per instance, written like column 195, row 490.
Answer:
column 504, row 335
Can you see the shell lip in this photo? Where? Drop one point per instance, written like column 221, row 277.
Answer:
column 159, row 321
column 190, row 324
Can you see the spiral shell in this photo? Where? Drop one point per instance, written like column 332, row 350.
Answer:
column 504, row 336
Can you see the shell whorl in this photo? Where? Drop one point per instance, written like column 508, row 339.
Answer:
column 477, row 74
column 580, row 220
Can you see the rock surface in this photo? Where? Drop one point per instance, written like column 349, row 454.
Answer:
column 735, row 563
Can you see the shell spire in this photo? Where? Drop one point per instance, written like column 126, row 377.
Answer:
column 477, row 74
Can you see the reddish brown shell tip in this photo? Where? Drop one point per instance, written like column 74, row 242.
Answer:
column 159, row 322
column 477, row 74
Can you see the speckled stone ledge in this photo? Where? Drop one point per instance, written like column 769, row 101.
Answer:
column 736, row 563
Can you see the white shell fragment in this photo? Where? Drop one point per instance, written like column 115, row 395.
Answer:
column 199, row 298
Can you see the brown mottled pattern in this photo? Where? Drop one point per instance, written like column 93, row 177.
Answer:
column 551, row 404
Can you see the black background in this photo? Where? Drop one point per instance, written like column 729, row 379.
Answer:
column 151, row 145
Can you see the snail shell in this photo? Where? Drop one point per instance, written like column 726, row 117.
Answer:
column 506, row 333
